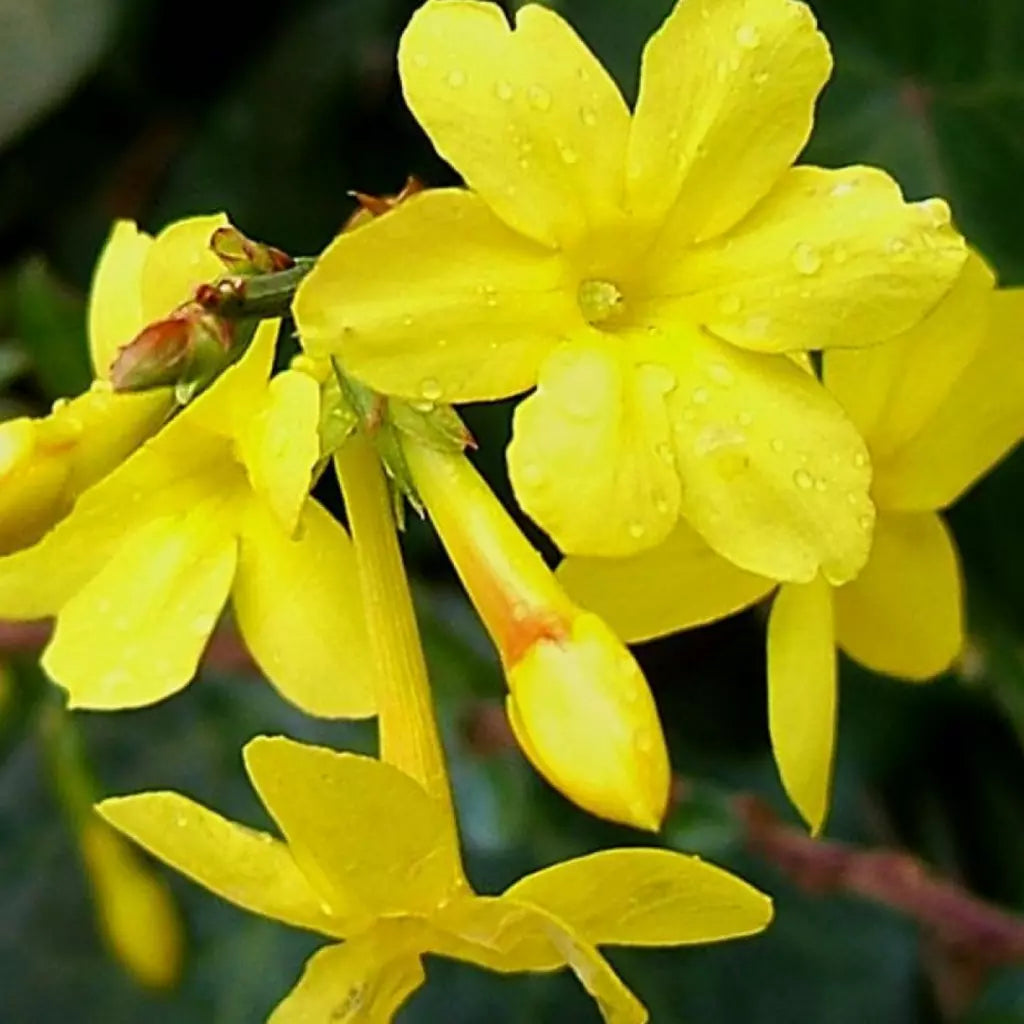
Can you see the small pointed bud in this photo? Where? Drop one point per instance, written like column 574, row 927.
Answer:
column 242, row 255
column 190, row 346
column 137, row 916
column 583, row 713
column 578, row 702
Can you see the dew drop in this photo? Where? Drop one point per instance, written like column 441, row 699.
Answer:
column 700, row 396
column 431, row 389
column 442, row 342
column 821, row 485
column 806, row 259
column 456, row 78
column 839, row 254
column 325, row 907
column 588, row 116
column 895, row 246
column 421, row 60
column 540, row 98
column 777, row 445
column 852, row 498
column 644, row 744
column 181, row 821
column 532, row 474
column 748, row 37
column 761, row 77
column 803, row 479
column 664, row 451
column 843, row 188
column 568, row 154
column 407, row 321
column 758, row 326
column 721, row 374
column 745, row 418
column 504, row 91
column 865, row 522
column 860, row 460
column 662, row 507
column 636, row 529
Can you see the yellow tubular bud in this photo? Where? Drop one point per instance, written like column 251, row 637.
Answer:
column 136, row 914
column 578, row 702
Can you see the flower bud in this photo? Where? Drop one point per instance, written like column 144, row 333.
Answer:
column 578, row 702
column 137, row 916
column 376, row 206
column 189, row 347
column 242, row 255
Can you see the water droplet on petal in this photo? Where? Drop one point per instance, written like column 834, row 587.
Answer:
column 860, row 460
column 745, row 418
column 839, row 254
column 568, row 154
column 664, row 451
column 806, row 259
column 532, row 474
column 636, row 529
column 803, row 479
column 865, row 522
column 540, row 98
column 588, row 116
column 821, row 485
column 748, row 37
column 431, row 389
column 700, row 396
column 456, row 78
column 852, row 498
column 843, row 188
column 895, row 246
column 777, row 445
column 504, row 91
column 721, row 374
column 662, row 507
column 442, row 342
column 421, row 60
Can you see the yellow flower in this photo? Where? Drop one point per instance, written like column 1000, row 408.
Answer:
column 938, row 407
column 215, row 503
column 370, row 859
column 647, row 273
column 137, row 916
column 46, row 463
column 578, row 702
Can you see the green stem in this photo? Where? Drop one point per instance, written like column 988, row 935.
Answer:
column 259, row 296
column 409, row 737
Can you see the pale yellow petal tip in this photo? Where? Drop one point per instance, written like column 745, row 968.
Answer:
column 137, row 916
column 584, row 716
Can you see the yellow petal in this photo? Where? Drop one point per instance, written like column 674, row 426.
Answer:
column 115, row 298
column 366, row 833
column 890, row 391
column 826, row 259
column 978, row 422
column 727, row 93
column 776, row 477
column 646, row 898
column 591, row 455
column 679, row 584
column 251, row 869
column 529, row 117
column 239, row 395
column 363, row 981
column 583, row 714
column 802, row 695
column 135, row 632
column 137, row 915
column 616, row 1003
column 473, row 326
column 179, row 260
column 280, row 444
column 902, row 615
column 312, row 645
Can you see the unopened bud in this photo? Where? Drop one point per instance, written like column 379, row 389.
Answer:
column 190, row 346
column 242, row 255
column 137, row 917
column 579, row 704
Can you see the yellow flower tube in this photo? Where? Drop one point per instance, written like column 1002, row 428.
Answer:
column 578, row 702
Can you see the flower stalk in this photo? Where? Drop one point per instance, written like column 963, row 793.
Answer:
column 409, row 737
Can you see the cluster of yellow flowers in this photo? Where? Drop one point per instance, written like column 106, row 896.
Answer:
column 657, row 279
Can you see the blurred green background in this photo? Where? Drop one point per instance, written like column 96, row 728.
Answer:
column 158, row 109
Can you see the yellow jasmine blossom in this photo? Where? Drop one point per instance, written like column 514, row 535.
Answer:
column 647, row 273
column 938, row 407
column 215, row 503
column 578, row 702
column 138, row 919
column 47, row 462
column 369, row 858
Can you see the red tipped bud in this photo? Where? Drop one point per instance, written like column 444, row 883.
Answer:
column 242, row 255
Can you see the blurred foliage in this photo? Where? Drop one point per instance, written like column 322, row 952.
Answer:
column 111, row 108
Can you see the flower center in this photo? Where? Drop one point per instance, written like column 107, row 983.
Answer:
column 599, row 300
